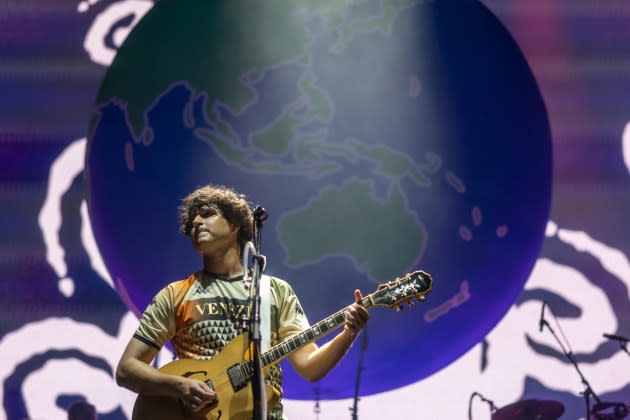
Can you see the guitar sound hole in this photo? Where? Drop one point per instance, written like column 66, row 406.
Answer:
column 188, row 374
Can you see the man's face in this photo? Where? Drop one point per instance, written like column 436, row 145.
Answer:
column 211, row 231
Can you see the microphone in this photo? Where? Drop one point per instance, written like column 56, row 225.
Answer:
column 541, row 323
column 260, row 213
column 617, row 338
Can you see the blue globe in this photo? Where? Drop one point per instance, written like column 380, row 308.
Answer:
column 380, row 137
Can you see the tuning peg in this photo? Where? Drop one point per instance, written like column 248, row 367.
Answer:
column 411, row 303
column 399, row 308
column 421, row 298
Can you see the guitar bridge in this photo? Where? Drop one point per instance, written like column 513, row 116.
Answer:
column 238, row 379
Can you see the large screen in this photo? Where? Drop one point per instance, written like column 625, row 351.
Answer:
column 483, row 142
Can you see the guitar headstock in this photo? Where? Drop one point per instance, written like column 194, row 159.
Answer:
column 415, row 285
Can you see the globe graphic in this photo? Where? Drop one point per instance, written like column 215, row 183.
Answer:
column 381, row 137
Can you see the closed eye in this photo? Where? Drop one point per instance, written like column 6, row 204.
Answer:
column 207, row 211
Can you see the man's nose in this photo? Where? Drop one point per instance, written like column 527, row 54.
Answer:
column 197, row 220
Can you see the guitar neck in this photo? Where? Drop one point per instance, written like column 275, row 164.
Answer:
column 323, row 327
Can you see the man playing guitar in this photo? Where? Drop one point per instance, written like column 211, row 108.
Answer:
column 203, row 313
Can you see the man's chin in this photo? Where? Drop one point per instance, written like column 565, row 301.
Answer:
column 199, row 245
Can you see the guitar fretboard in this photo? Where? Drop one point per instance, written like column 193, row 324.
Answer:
column 323, row 327
column 281, row 350
column 391, row 294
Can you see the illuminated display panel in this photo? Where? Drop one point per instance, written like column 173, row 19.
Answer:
column 64, row 325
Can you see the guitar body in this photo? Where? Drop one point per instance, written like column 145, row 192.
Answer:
column 232, row 404
column 232, row 384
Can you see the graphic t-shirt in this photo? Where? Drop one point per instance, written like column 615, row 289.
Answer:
column 203, row 313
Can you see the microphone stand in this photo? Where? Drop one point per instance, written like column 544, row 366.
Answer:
column 623, row 341
column 258, row 384
column 355, row 406
column 588, row 391
column 317, row 409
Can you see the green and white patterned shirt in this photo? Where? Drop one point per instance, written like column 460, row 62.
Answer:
column 203, row 313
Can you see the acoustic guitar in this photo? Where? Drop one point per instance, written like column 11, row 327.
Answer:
column 230, row 372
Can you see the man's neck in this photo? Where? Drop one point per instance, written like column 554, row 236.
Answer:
column 226, row 264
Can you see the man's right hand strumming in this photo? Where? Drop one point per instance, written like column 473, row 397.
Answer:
column 195, row 395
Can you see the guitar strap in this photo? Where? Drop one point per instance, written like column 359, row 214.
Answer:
column 265, row 313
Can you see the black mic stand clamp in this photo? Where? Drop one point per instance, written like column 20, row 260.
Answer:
column 490, row 403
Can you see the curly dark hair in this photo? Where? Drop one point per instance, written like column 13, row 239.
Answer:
column 233, row 206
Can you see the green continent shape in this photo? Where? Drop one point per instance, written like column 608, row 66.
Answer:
column 211, row 49
column 384, row 239
column 278, row 137
column 222, row 48
column 383, row 22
